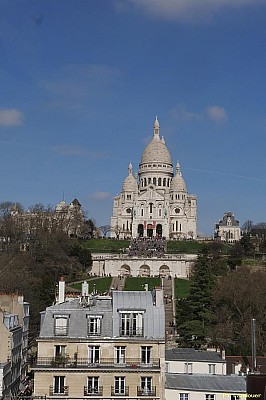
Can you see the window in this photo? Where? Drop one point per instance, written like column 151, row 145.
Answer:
column 94, row 354
column 59, row 351
column 146, row 354
column 150, row 206
column 184, row 396
column 154, row 181
column 212, row 369
column 120, row 354
column 131, row 324
column 159, row 181
column 188, row 368
column 59, row 385
column 94, row 325
column 61, row 326
column 93, row 384
column 235, row 397
column 210, row 397
column 146, row 384
column 120, row 385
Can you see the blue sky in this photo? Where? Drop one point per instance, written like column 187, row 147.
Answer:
column 81, row 82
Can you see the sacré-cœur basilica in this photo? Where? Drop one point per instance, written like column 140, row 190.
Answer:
column 154, row 203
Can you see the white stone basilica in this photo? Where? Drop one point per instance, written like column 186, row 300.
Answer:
column 155, row 203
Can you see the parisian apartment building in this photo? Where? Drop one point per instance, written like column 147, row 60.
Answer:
column 107, row 347
column 14, row 330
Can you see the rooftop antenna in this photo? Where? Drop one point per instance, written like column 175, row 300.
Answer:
column 253, row 339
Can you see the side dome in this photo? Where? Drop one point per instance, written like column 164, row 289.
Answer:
column 130, row 183
column 178, row 183
column 156, row 150
column 61, row 206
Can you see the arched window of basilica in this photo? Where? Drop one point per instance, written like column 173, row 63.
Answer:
column 149, row 181
column 168, row 182
column 145, row 182
column 159, row 181
column 164, row 181
column 154, row 181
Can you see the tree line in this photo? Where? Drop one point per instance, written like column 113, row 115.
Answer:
column 33, row 254
column 225, row 295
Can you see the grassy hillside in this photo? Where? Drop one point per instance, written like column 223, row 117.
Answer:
column 120, row 246
column 102, row 285
column 139, row 282
column 182, row 287
column 106, row 245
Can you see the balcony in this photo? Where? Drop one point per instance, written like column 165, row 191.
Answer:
column 119, row 391
column 146, row 391
column 131, row 332
column 93, row 391
column 103, row 363
column 62, row 391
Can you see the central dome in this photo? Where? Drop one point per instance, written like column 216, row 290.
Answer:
column 156, row 150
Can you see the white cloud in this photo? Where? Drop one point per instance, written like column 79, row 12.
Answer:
column 11, row 117
column 69, row 150
column 217, row 113
column 187, row 9
column 214, row 113
column 99, row 196
column 181, row 112
column 75, row 85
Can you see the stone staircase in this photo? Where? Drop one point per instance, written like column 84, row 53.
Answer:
column 118, row 283
column 169, row 314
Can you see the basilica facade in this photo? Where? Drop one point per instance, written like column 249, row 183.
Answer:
column 154, row 202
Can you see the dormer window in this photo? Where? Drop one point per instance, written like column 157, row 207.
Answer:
column 61, row 325
column 131, row 323
column 94, row 325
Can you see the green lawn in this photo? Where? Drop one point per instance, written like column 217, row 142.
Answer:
column 106, row 245
column 182, row 287
column 102, row 285
column 138, row 283
column 184, row 246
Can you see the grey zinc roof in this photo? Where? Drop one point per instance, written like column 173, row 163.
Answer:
column 206, row 383
column 153, row 316
column 188, row 354
column 77, row 326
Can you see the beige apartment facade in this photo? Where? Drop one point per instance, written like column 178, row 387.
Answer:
column 103, row 347
column 14, row 330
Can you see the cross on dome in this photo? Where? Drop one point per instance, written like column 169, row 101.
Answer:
column 156, row 128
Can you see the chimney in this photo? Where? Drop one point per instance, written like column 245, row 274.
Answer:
column 158, row 297
column 61, row 290
column 85, row 289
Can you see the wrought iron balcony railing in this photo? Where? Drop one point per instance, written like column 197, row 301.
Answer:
column 131, row 332
column 60, row 391
column 146, row 391
column 93, row 391
column 119, row 391
column 74, row 362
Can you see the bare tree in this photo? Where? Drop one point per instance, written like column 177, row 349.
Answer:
column 104, row 229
